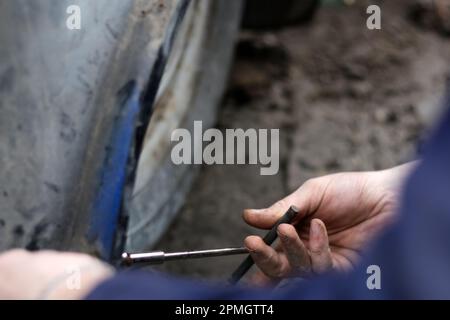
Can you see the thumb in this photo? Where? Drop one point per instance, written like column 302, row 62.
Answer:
column 303, row 198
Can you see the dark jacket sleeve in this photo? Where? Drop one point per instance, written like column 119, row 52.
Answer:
column 413, row 256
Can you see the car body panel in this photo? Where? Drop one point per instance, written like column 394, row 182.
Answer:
column 69, row 100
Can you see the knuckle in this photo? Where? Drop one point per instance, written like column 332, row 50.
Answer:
column 311, row 183
column 269, row 257
column 316, row 251
column 319, row 249
column 279, row 206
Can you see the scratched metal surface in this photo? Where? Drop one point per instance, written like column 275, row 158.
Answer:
column 61, row 93
column 193, row 93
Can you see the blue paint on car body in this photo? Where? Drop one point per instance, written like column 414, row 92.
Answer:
column 108, row 200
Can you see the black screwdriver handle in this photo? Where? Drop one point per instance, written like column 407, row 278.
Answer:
column 269, row 238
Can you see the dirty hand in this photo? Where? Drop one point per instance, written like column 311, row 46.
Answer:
column 339, row 214
column 49, row 275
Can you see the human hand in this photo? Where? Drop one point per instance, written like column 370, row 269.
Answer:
column 49, row 274
column 339, row 215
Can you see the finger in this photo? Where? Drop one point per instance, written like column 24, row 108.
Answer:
column 272, row 263
column 306, row 199
column 319, row 247
column 295, row 250
column 266, row 218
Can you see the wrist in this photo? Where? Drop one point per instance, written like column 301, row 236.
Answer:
column 393, row 178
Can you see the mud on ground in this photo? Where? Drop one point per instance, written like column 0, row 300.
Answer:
column 344, row 98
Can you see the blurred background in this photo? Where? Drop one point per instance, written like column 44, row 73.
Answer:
column 345, row 98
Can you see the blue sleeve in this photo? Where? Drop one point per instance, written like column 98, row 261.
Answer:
column 413, row 256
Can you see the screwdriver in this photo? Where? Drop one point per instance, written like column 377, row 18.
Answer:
column 158, row 257
column 270, row 237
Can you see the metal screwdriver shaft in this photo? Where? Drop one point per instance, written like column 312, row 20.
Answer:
column 270, row 237
column 158, row 257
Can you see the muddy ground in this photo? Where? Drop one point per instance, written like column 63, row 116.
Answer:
column 344, row 97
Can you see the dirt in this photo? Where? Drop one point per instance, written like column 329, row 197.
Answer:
column 345, row 98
